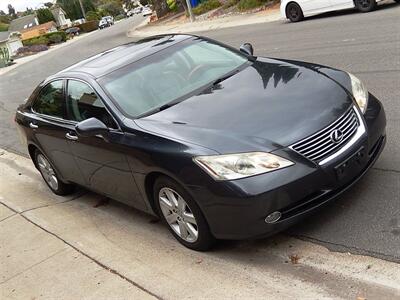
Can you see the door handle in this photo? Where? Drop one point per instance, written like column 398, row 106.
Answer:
column 72, row 137
column 33, row 125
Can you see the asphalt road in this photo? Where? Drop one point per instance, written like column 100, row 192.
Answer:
column 366, row 219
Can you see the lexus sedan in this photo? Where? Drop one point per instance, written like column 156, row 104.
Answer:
column 296, row 10
column 217, row 142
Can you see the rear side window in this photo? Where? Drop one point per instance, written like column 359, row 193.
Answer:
column 83, row 103
column 50, row 100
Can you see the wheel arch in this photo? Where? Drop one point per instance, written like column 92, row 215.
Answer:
column 149, row 182
column 295, row 2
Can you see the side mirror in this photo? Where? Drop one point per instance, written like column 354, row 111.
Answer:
column 247, row 49
column 91, row 127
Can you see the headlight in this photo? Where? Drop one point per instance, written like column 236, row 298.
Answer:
column 360, row 93
column 235, row 166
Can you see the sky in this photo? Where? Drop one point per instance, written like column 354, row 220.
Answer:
column 20, row 5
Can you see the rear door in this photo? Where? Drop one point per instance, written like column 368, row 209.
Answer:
column 103, row 163
column 50, row 129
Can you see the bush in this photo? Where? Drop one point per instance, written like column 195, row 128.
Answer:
column 3, row 27
column 206, row 6
column 89, row 26
column 249, row 4
column 92, row 16
column 47, row 39
column 31, row 49
column 40, row 40
column 56, row 37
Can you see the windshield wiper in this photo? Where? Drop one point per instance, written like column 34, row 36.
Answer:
column 222, row 78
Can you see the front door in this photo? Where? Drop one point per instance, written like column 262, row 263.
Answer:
column 103, row 163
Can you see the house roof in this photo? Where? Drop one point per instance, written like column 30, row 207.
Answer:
column 20, row 23
column 44, row 26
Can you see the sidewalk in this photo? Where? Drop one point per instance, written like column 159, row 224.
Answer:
column 214, row 24
column 82, row 247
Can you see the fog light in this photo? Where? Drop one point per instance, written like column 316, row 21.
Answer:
column 274, row 217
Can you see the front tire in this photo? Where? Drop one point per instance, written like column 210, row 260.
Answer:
column 182, row 215
column 365, row 5
column 50, row 176
column 294, row 12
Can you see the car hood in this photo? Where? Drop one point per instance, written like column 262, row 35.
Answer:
column 268, row 105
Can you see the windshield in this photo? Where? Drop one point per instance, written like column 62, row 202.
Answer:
column 169, row 75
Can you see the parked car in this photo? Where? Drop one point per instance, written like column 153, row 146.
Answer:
column 219, row 143
column 109, row 19
column 103, row 23
column 130, row 13
column 296, row 10
column 73, row 31
column 146, row 11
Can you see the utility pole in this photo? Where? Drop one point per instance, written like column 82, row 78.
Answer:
column 82, row 8
column 191, row 15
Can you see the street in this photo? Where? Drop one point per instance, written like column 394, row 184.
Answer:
column 365, row 220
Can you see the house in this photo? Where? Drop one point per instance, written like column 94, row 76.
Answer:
column 60, row 16
column 38, row 30
column 23, row 23
column 11, row 41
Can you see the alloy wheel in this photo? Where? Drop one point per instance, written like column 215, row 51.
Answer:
column 364, row 3
column 47, row 171
column 178, row 215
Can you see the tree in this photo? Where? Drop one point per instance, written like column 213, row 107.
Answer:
column 44, row 15
column 112, row 7
column 11, row 10
column 2, row 13
column 92, row 16
column 72, row 7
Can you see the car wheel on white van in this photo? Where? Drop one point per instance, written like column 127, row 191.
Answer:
column 294, row 12
column 365, row 5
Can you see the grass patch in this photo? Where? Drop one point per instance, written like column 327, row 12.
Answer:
column 206, row 6
column 250, row 4
column 3, row 27
column 230, row 3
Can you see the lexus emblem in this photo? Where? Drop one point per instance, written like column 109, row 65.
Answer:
column 336, row 136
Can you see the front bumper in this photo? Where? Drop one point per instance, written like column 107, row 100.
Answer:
column 237, row 209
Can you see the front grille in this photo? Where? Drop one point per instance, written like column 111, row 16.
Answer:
column 320, row 145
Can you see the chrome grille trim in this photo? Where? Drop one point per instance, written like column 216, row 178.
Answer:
column 320, row 148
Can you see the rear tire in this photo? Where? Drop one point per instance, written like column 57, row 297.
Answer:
column 50, row 176
column 182, row 215
column 365, row 5
column 294, row 12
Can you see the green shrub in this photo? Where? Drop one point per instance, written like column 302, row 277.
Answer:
column 53, row 37
column 40, row 40
column 206, row 6
column 249, row 4
column 89, row 26
column 92, row 16
column 3, row 27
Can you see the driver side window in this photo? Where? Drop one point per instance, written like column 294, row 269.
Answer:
column 83, row 103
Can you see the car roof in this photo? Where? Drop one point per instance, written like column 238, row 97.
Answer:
column 118, row 57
